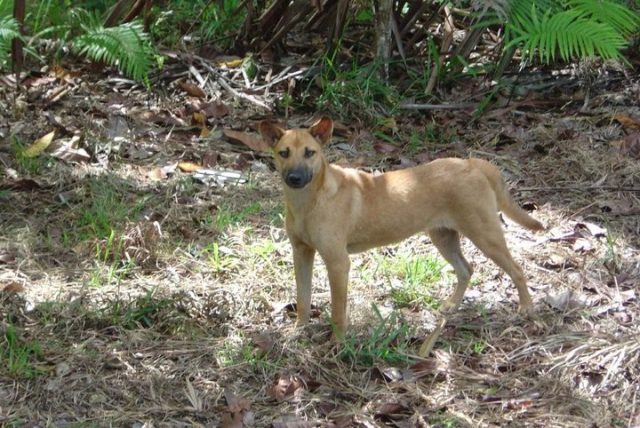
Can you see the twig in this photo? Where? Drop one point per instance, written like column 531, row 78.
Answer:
column 246, row 97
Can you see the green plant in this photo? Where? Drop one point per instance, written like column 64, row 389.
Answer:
column 8, row 32
column 388, row 341
column 126, row 46
column 358, row 91
column 568, row 28
column 17, row 355
column 417, row 275
column 219, row 258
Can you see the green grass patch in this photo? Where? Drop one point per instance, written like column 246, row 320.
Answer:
column 417, row 275
column 387, row 342
column 17, row 355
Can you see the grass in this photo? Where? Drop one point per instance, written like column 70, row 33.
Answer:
column 412, row 278
column 17, row 355
column 356, row 90
column 386, row 342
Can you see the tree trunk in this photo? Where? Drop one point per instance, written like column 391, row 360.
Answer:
column 384, row 10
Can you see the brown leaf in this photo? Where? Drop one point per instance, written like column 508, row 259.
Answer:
column 216, row 110
column 188, row 166
column 627, row 121
column 204, row 132
column 69, row 151
column 264, row 342
column 423, row 157
column 13, row 287
column 198, row 119
column 231, row 420
column 21, row 185
column 286, row 387
column 392, row 408
column 629, row 145
column 253, row 141
column 191, row 89
column 381, row 147
column 236, row 403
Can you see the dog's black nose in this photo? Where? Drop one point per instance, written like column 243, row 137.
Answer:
column 297, row 178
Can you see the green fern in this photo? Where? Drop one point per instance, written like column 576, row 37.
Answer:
column 126, row 46
column 567, row 32
column 8, row 32
column 575, row 28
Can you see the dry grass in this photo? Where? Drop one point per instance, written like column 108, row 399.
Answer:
column 183, row 317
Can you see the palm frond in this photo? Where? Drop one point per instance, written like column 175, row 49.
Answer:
column 568, row 32
column 610, row 12
column 126, row 46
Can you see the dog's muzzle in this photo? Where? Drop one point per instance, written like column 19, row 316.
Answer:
column 298, row 178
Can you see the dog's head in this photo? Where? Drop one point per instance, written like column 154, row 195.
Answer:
column 297, row 152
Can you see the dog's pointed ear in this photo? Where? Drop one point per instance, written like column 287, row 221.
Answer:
column 322, row 130
column 270, row 132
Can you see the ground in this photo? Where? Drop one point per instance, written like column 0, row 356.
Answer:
column 135, row 294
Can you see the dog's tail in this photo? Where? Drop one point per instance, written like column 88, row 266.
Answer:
column 506, row 204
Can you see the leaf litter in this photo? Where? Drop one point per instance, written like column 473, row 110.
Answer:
column 153, row 299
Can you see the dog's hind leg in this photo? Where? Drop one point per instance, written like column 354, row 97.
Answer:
column 489, row 239
column 447, row 241
column 303, row 264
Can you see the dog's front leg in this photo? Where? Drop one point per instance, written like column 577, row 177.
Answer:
column 303, row 264
column 338, row 264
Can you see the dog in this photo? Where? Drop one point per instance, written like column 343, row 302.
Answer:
column 335, row 211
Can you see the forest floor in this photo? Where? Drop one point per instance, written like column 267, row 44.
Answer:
column 146, row 279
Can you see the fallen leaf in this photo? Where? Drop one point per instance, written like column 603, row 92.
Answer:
column 629, row 145
column 230, row 420
column 391, row 410
column 423, row 157
column 264, row 341
column 253, row 141
column 627, row 121
column 21, row 185
column 39, row 145
column 204, row 132
column 198, row 119
column 381, row 147
column 188, row 166
column 582, row 246
column 216, row 110
column 13, row 287
column 593, row 229
column 191, row 89
column 68, row 150
column 236, row 403
column 286, row 387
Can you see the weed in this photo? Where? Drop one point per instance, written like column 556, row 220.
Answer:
column 358, row 91
column 226, row 216
column 388, row 342
column 417, row 274
column 17, row 355
column 220, row 258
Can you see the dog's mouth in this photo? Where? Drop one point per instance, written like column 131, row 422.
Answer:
column 297, row 178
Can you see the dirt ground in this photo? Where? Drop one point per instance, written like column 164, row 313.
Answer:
column 136, row 293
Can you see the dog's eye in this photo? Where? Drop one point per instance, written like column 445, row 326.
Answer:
column 309, row 153
column 284, row 153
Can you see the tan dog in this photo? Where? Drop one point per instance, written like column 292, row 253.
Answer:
column 336, row 211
